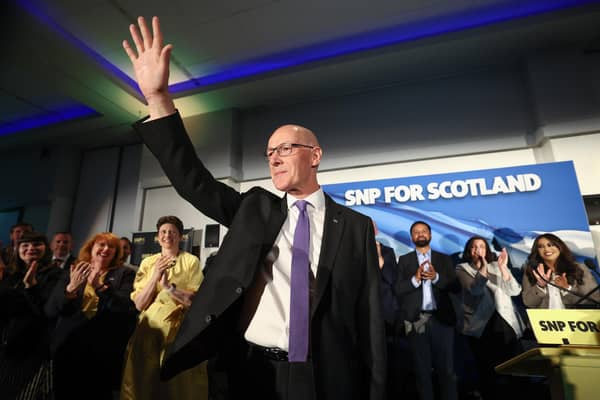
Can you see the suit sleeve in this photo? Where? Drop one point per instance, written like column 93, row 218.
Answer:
column 533, row 296
column 447, row 274
column 404, row 283
column 116, row 298
column 167, row 139
column 58, row 304
column 372, row 335
column 588, row 284
column 389, row 275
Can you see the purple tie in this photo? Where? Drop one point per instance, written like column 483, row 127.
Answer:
column 299, row 301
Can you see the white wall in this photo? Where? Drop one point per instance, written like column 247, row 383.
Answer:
column 546, row 108
column 475, row 112
column 95, row 194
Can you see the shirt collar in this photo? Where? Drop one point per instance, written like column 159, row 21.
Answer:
column 427, row 254
column 62, row 258
column 315, row 199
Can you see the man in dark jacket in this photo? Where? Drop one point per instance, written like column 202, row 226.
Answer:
column 426, row 279
column 296, row 278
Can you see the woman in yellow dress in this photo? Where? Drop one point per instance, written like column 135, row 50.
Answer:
column 163, row 289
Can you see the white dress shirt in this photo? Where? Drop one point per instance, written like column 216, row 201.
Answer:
column 428, row 299
column 270, row 324
column 63, row 260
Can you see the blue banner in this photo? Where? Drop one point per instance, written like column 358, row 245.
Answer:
column 507, row 206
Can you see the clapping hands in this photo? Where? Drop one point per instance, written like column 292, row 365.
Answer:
column 425, row 271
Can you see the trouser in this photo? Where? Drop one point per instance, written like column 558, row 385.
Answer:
column 263, row 373
column 434, row 349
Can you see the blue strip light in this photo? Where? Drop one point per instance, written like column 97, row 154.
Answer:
column 53, row 118
column 468, row 19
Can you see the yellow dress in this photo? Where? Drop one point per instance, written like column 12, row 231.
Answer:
column 155, row 331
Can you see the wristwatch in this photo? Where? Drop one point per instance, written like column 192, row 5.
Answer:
column 171, row 288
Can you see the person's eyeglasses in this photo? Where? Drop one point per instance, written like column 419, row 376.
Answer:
column 285, row 149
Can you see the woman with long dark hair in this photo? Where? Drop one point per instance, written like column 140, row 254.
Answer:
column 25, row 369
column 553, row 279
column 491, row 321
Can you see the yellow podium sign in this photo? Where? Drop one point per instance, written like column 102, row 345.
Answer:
column 580, row 327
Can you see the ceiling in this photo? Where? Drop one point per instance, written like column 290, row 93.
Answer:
column 66, row 80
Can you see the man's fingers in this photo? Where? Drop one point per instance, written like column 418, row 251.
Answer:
column 130, row 53
column 146, row 34
column 158, row 38
column 137, row 39
column 165, row 53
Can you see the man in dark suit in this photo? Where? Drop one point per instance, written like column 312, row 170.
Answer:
column 295, row 285
column 62, row 245
column 426, row 279
column 397, row 359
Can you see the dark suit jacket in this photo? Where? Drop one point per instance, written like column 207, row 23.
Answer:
column 411, row 298
column 347, row 339
column 114, row 304
column 389, row 275
column 69, row 261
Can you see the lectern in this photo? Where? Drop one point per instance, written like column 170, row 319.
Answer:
column 573, row 367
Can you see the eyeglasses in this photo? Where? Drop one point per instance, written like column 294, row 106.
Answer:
column 284, row 149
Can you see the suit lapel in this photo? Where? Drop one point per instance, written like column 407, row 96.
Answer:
column 333, row 227
column 274, row 223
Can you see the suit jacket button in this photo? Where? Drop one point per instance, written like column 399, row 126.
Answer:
column 239, row 290
column 209, row 319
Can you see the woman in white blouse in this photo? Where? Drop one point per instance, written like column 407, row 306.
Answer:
column 491, row 322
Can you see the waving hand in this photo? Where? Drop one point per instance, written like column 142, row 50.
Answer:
column 150, row 61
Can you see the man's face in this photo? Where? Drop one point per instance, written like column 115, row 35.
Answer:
column 420, row 235
column 125, row 248
column 294, row 173
column 61, row 245
column 18, row 231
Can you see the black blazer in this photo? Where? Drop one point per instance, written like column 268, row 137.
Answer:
column 389, row 275
column 69, row 261
column 114, row 304
column 411, row 298
column 347, row 337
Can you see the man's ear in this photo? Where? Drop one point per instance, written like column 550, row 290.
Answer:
column 317, row 153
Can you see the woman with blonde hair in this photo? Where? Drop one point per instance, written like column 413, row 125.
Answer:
column 95, row 320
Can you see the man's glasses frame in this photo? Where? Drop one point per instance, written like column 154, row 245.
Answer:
column 285, row 149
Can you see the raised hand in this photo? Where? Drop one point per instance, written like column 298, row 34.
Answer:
column 429, row 272
column 419, row 273
column 93, row 277
column 541, row 276
column 150, row 61
column 561, row 280
column 503, row 258
column 162, row 264
column 503, row 264
column 29, row 279
column 483, row 267
column 78, row 276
